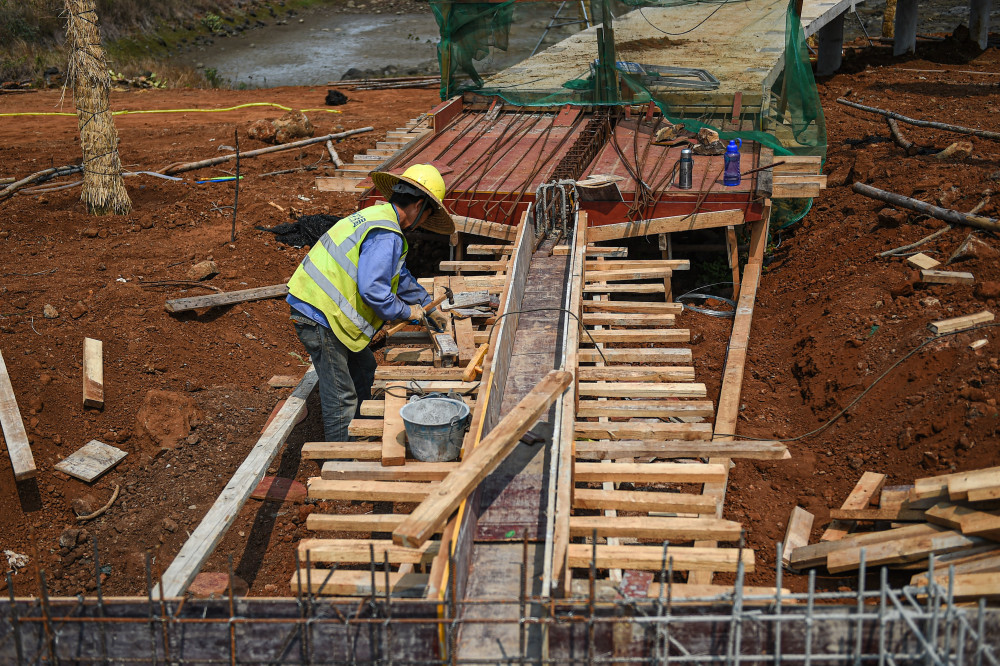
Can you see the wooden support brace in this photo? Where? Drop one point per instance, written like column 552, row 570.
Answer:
column 18, row 447
column 93, row 373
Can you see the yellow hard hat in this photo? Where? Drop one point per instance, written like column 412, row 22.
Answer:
column 427, row 179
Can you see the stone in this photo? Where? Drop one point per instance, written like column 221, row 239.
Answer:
column 335, row 98
column 279, row 489
column 85, row 505
column 215, row 585
column 291, row 126
column 49, row 312
column 891, row 218
column 906, row 438
column 69, row 536
column 901, row 289
column 202, row 271
column 839, row 176
column 262, row 130
column 974, row 248
column 168, row 417
column 987, row 290
column 170, row 525
column 78, row 310
column 707, row 136
column 90, row 232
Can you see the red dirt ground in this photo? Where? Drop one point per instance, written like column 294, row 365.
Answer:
column 814, row 344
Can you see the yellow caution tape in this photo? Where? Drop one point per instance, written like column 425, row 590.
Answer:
column 128, row 112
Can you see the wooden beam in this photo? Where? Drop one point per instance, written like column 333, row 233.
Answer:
column 665, row 225
column 370, row 491
column 946, row 277
column 899, row 551
column 391, row 374
column 643, row 355
column 345, row 470
column 643, row 319
column 636, row 336
column 632, row 264
column 341, row 450
column 223, row 512
column 643, row 501
column 797, row 533
column 614, row 430
column 621, row 449
column 359, row 550
column 657, row 472
column 633, row 307
column 623, row 389
column 93, row 373
column 627, row 375
column 627, row 288
column 480, row 266
column 433, row 513
column 814, row 555
column 393, row 431
column 646, row 408
column 650, row 558
column 970, row 521
column 961, row 484
column 628, row 274
column 18, row 447
column 471, row 225
column 353, row 522
column 226, row 298
column 662, row 529
column 345, row 583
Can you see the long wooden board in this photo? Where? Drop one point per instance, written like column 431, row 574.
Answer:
column 646, row 408
column 658, row 472
column 220, row 517
column 615, row 430
column 662, row 355
column 393, row 432
column 644, row 501
column 18, row 447
column 665, row 225
column 341, row 450
column 372, row 471
column 621, row 449
column 345, row 583
column 359, row 551
column 650, row 558
column 227, row 298
column 370, row 491
column 659, row 528
column 649, row 373
column 642, row 389
column 93, row 373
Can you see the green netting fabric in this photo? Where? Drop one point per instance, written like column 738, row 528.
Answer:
column 790, row 121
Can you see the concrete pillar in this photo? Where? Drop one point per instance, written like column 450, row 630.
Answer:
column 979, row 21
column 905, row 39
column 831, row 46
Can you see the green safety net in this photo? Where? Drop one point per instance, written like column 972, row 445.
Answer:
column 475, row 36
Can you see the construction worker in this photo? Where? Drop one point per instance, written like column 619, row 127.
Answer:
column 355, row 279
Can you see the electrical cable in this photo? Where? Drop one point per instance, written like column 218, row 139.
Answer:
column 698, row 25
column 861, row 395
column 127, row 112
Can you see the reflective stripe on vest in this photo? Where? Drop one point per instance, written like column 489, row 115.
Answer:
column 327, row 277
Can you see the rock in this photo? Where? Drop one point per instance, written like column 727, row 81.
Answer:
column 964, row 443
column 78, row 310
column 270, row 587
column 202, row 271
column 69, row 536
column 987, row 290
column 89, row 232
column 211, row 585
column 973, row 248
column 49, row 312
column 146, row 223
column 280, row 489
column 335, row 98
column 863, row 165
column 170, row 525
column 855, row 461
column 839, row 176
column 291, row 126
column 906, row 438
column 168, row 417
column 85, row 505
column 707, row 136
column 930, row 302
column 262, row 130
column 958, row 150
column 973, row 394
column 716, row 148
column 891, row 218
column 901, row 289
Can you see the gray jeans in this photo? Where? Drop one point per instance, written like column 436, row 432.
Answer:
column 345, row 377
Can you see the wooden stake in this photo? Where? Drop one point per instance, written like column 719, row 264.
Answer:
column 18, row 447
column 93, row 373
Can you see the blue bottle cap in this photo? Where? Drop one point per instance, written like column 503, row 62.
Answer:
column 732, row 146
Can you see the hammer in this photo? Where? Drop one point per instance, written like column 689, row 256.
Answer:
column 448, row 293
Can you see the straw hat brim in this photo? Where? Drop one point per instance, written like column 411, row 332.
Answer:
column 440, row 220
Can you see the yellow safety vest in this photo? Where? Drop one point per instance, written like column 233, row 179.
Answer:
column 327, row 278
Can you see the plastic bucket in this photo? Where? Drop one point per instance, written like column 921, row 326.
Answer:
column 435, row 426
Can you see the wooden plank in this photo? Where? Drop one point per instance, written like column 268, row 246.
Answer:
column 404, row 355
column 341, row 450
column 464, row 333
column 628, row 319
column 633, row 307
column 372, row 471
column 661, row 355
column 391, row 374
column 226, row 298
column 370, row 491
column 632, row 264
column 365, row 428
column 959, row 485
column 613, row 430
column 479, row 266
column 895, row 513
column 960, row 323
column 898, row 551
column 393, row 431
column 921, row 260
column 625, row 274
column 345, row 583
column 665, row 225
column 786, row 178
column 650, row 558
column 471, row 225
column 93, row 373
column 646, row 408
column 815, row 555
column 621, row 449
column 647, row 527
column 797, row 533
column 339, row 184
column 984, row 494
column 931, row 487
column 488, row 250
column 980, row 562
column 970, row 521
column 627, row 375
column 90, row 461
column 359, row 551
column 622, row 389
column 643, row 501
column 432, row 514
column 946, row 277
column 220, row 517
column 431, row 385
column 786, row 190
column 630, row 288
column 18, row 447
column 865, row 491
column 656, row 472
column 284, row 381
column 635, row 336
column 974, row 586
column 354, row 522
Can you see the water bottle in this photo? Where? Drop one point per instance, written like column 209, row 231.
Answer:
column 731, row 175
column 686, row 170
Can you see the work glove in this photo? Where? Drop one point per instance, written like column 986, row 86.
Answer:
column 416, row 312
column 439, row 318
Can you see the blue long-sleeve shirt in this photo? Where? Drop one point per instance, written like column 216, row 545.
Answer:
column 377, row 258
